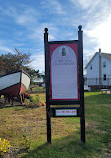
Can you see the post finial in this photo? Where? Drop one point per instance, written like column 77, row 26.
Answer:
column 46, row 30
column 80, row 27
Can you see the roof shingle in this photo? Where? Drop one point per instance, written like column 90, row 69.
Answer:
column 106, row 55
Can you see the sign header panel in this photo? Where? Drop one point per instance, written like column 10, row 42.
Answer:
column 64, row 71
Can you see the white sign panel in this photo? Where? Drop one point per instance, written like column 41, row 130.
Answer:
column 66, row 112
column 64, row 76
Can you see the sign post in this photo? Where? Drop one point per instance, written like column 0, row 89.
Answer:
column 47, row 78
column 81, row 83
column 64, row 80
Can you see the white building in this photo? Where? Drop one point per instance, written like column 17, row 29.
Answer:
column 99, row 70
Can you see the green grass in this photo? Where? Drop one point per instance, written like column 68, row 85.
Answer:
column 37, row 88
column 98, row 133
column 65, row 131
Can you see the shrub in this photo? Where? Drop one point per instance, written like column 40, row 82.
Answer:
column 26, row 141
column 26, row 137
column 34, row 100
column 4, row 145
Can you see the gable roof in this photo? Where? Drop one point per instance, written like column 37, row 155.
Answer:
column 106, row 55
column 91, row 60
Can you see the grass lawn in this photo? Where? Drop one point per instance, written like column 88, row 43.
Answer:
column 17, row 121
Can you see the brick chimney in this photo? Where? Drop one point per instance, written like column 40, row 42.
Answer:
column 99, row 50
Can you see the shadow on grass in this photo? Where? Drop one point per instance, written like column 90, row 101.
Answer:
column 5, row 106
column 67, row 147
column 20, row 107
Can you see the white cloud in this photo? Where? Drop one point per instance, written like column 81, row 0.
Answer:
column 27, row 16
column 38, row 32
column 4, row 49
column 62, row 19
column 96, row 22
column 84, row 4
column 101, row 33
column 38, row 62
column 91, row 12
column 53, row 6
column 57, row 6
column 25, row 19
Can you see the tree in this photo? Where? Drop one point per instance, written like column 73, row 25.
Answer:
column 14, row 62
column 34, row 74
column 42, row 76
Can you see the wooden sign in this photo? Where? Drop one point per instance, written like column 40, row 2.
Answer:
column 64, row 80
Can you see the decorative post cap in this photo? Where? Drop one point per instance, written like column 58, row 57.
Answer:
column 46, row 29
column 80, row 27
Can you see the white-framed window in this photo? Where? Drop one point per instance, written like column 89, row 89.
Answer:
column 104, row 64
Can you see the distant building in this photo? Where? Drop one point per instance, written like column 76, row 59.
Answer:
column 99, row 70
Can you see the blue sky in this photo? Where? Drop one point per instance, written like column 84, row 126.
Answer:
column 22, row 24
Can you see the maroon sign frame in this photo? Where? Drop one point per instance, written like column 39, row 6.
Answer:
column 62, row 62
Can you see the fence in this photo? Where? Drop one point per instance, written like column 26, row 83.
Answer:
column 97, row 81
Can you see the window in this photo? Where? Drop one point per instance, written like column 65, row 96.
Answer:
column 104, row 77
column 91, row 67
column 104, row 64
